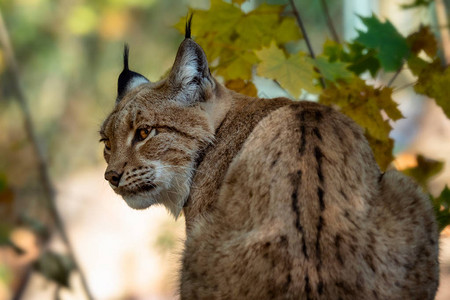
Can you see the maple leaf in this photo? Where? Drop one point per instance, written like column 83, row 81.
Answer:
column 391, row 46
column 358, row 57
column 237, row 65
column 256, row 28
column 364, row 103
column 229, row 36
column 384, row 100
column 287, row 31
column 423, row 40
column 433, row 81
column 382, row 150
column 293, row 73
column 214, row 29
column 332, row 71
column 243, row 87
column 362, row 59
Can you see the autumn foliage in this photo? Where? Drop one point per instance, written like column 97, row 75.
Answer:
column 241, row 45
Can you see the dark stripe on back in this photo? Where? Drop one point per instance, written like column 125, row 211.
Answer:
column 307, row 288
column 318, row 154
column 301, row 150
column 296, row 181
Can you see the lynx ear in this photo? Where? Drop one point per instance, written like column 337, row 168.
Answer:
column 190, row 75
column 128, row 79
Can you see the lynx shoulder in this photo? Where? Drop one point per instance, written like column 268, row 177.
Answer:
column 281, row 199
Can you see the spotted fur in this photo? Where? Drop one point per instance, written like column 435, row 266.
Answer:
column 282, row 199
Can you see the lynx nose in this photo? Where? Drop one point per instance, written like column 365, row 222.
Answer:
column 113, row 177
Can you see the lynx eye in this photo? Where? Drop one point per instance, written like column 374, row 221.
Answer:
column 107, row 143
column 143, row 133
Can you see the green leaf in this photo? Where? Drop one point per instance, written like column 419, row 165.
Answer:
column 362, row 59
column 441, row 206
column 55, row 267
column 391, row 46
column 358, row 57
column 332, row 71
column 293, row 73
column 425, row 169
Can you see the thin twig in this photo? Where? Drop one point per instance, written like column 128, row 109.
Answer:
column 38, row 152
column 395, row 76
column 396, row 90
column 305, row 36
column 330, row 24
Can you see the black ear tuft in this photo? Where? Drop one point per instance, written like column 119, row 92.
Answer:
column 128, row 79
column 126, row 51
column 187, row 34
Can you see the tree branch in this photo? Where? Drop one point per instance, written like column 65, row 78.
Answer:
column 44, row 176
column 330, row 24
column 391, row 81
column 305, row 36
column 444, row 29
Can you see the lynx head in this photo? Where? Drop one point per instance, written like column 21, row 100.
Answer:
column 157, row 130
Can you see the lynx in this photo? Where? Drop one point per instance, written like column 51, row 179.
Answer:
column 281, row 199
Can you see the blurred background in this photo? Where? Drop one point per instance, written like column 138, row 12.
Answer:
column 69, row 54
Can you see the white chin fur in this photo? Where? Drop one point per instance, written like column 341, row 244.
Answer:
column 172, row 196
column 139, row 201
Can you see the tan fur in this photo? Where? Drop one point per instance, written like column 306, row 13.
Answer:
column 282, row 199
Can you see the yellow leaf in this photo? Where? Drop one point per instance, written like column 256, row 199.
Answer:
column 287, row 31
column 240, row 65
column 383, row 96
column 364, row 104
column 433, row 81
column 293, row 73
column 214, row 29
column 255, row 29
column 382, row 151
column 243, row 87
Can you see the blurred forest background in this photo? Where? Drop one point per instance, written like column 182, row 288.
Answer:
column 57, row 214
